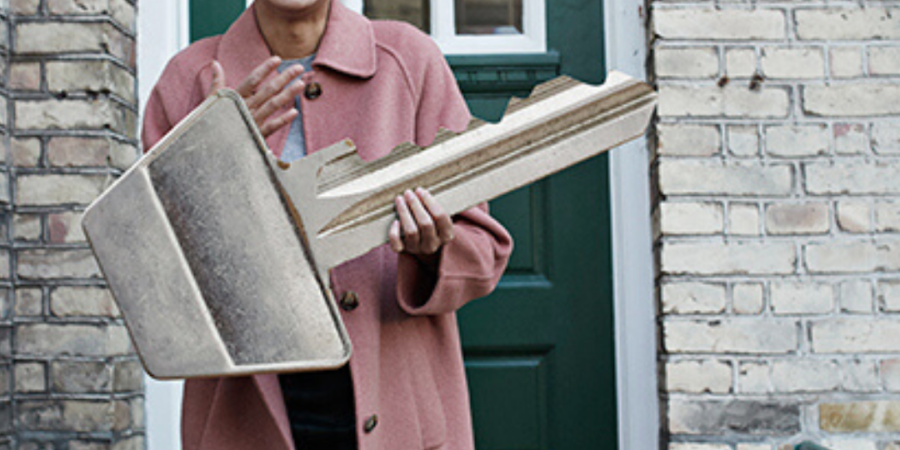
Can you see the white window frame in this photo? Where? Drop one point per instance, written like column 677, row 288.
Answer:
column 443, row 30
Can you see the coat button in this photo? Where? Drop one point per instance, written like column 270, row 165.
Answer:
column 349, row 301
column 371, row 423
column 313, row 90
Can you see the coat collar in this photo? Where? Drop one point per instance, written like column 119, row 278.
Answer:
column 348, row 45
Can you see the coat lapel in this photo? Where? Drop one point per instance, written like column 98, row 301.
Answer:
column 348, row 47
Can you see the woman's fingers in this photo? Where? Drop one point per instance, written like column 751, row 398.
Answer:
column 273, row 87
column 407, row 225
column 249, row 86
column 218, row 78
column 395, row 238
column 429, row 242
column 272, row 125
column 276, row 102
column 443, row 222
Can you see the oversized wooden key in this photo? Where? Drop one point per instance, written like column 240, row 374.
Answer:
column 218, row 257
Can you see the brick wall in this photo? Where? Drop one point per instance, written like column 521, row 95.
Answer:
column 69, row 378
column 777, row 167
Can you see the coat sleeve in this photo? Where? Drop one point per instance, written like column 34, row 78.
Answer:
column 471, row 265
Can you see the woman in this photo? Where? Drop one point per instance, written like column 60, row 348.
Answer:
column 380, row 84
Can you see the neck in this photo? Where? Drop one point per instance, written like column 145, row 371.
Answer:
column 292, row 34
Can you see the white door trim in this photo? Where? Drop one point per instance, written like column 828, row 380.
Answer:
column 635, row 312
column 162, row 32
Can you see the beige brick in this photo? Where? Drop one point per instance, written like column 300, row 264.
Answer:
column 73, row 415
column 890, row 374
column 850, row 139
column 854, row 216
column 30, row 377
column 797, row 218
column 82, row 301
column 801, row 297
column 123, row 13
column 869, row 23
column 90, row 152
column 805, row 375
column 754, row 378
column 754, row 446
column 698, row 376
column 53, row 189
column 691, row 218
column 48, row 264
column 687, row 140
column 731, row 101
column 740, row 62
column 853, row 178
column 693, row 298
column 853, row 256
column 704, row 258
column 743, row 141
column 716, row 178
column 887, row 216
column 743, row 219
column 77, row 6
column 796, row 62
column 855, row 335
column 846, row 62
column 26, row 152
column 859, row 99
column 686, row 62
column 81, row 376
column 25, row 76
column 856, row 297
column 91, row 75
column 65, row 227
column 741, row 336
column 889, row 295
column 71, row 340
column 848, row 443
column 26, row 227
column 884, row 60
column 724, row 24
column 886, row 137
column 697, row 446
column 24, row 7
column 747, row 298
column 797, row 140
column 68, row 114
column 860, row 376
column 62, row 37
column 128, row 376
column 135, row 442
column 29, row 302
column 878, row 416
column 732, row 417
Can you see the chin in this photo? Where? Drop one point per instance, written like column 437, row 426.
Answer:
column 293, row 5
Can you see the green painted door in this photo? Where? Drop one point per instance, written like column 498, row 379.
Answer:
column 540, row 350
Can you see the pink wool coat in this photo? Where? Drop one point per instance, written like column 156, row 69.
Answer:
column 383, row 83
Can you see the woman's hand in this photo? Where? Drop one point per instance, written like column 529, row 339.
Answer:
column 265, row 99
column 422, row 227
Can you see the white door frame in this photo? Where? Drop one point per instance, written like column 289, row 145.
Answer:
column 163, row 30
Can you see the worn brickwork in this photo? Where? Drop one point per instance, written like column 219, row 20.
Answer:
column 777, row 215
column 69, row 378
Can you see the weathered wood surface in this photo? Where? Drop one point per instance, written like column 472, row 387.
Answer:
column 201, row 241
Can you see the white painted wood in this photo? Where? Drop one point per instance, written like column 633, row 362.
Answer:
column 635, row 314
column 162, row 31
column 532, row 40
